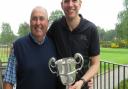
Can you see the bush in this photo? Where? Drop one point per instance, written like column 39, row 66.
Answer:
column 114, row 45
column 121, row 85
column 105, row 44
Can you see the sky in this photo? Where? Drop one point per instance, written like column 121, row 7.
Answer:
column 101, row 12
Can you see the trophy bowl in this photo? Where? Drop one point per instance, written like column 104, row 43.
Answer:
column 66, row 68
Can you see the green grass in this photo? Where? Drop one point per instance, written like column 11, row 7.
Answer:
column 4, row 53
column 116, row 55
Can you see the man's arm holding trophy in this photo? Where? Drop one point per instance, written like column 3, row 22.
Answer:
column 88, row 76
column 66, row 68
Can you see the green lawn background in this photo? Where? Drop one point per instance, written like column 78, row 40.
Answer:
column 115, row 55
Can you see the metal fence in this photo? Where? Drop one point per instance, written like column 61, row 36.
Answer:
column 4, row 52
column 111, row 75
column 2, row 70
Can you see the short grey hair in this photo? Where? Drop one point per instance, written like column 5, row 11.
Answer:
column 39, row 8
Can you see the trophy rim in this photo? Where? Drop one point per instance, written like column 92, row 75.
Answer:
column 63, row 60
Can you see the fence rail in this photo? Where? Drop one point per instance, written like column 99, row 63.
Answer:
column 111, row 75
column 4, row 52
column 2, row 70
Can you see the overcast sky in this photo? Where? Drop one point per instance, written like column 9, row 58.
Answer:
column 101, row 12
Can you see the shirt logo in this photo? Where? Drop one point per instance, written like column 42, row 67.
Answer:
column 83, row 37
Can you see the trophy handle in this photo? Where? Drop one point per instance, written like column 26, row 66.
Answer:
column 81, row 60
column 52, row 64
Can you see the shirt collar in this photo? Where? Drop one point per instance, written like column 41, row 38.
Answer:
column 34, row 39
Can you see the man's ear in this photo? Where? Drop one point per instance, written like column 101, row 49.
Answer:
column 80, row 2
column 62, row 4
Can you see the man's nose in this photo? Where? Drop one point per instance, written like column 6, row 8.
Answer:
column 70, row 3
column 38, row 21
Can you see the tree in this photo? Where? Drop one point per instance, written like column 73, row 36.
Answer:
column 126, row 4
column 7, row 35
column 101, row 32
column 24, row 29
column 122, row 25
column 55, row 15
column 110, row 35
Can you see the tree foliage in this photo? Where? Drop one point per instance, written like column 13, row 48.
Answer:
column 126, row 4
column 7, row 35
column 122, row 25
column 55, row 15
column 110, row 35
column 106, row 35
column 101, row 32
column 24, row 29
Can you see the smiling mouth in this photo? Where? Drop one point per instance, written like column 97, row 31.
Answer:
column 37, row 28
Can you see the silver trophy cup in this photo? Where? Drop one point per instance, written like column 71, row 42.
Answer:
column 66, row 68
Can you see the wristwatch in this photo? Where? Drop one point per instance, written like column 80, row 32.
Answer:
column 84, row 82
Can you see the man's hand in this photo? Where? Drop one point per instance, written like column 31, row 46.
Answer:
column 90, row 83
column 77, row 85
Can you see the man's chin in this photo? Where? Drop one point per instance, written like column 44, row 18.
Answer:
column 71, row 16
column 39, row 35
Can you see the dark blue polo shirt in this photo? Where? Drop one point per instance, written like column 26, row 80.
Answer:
column 83, row 39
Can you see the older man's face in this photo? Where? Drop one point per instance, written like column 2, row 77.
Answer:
column 39, row 23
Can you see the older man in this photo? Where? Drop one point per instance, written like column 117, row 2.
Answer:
column 28, row 62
